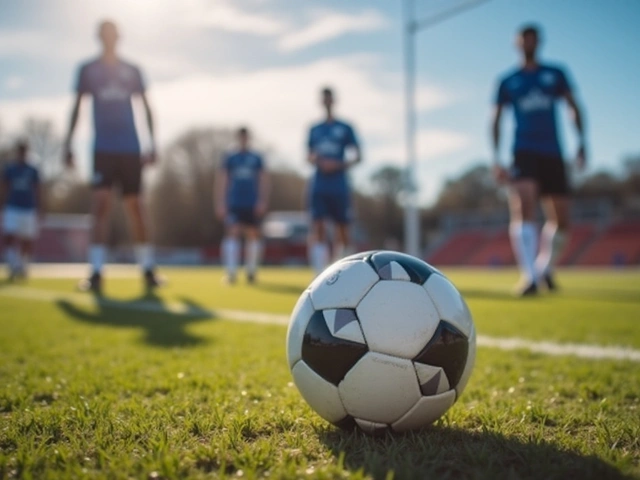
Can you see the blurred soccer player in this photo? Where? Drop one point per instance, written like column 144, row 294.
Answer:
column 538, row 169
column 113, row 84
column 241, row 202
column 21, row 211
column 329, row 192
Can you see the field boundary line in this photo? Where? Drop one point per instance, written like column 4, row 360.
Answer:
column 588, row 351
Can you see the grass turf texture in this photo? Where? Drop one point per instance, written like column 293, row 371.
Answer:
column 107, row 392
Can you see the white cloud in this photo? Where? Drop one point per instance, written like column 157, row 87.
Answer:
column 328, row 25
column 13, row 82
column 225, row 15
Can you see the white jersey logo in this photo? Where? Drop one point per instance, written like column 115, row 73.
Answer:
column 535, row 100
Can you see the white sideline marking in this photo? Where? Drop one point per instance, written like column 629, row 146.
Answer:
column 181, row 308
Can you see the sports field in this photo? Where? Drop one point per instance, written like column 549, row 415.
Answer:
column 194, row 383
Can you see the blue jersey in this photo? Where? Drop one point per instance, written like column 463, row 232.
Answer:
column 533, row 95
column 243, row 178
column 112, row 86
column 330, row 140
column 21, row 180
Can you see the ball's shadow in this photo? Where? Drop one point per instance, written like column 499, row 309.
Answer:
column 444, row 452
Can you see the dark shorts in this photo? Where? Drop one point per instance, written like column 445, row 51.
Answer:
column 243, row 216
column 547, row 171
column 331, row 206
column 121, row 169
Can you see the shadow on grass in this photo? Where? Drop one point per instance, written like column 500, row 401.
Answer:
column 440, row 452
column 163, row 326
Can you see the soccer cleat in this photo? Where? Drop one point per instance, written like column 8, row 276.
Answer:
column 229, row 279
column 151, row 280
column 251, row 278
column 527, row 290
column 92, row 284
column 549, row 282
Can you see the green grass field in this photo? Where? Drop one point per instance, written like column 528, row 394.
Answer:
column 167, row 387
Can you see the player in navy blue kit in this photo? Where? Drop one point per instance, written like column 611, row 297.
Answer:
column 241, row 202
column 114, row 84
column 21, row 211
column 538, row 170
column 329, row 190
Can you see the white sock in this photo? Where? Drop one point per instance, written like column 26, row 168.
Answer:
column 231, row 255
column 524, row 241
column 252, row 255
column 552, row 243
column 97, row 257
column 144, row 256
column 13, row 257
column 319, row 256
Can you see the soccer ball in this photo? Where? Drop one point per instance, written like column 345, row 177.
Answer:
column 381, row 340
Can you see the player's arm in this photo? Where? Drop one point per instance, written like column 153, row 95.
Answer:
column 576, row 114
column 149, row 116
column 4, row 190
column 220, row 192
column 264, row 189
column 355, row 149
column 502, row 98
column 75, row 113
column 39, row 195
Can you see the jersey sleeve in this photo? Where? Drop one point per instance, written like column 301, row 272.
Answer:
column 563, row 84
column 139, row 85
column 260, row 163
column 502, row 95
column 82, row 81
column 226, row 162
column 351, row 138
column 310, row 140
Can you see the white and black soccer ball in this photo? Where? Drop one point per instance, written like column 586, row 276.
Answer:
column 381, row 340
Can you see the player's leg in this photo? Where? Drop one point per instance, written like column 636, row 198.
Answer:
column 523, row 194
column 341, row 216
column 11, row 251
column 253, row 250
column 318, row 249
column 554, row 193
column 230, row 247
column 130, row 178
column 101, row 201
column 26, row 234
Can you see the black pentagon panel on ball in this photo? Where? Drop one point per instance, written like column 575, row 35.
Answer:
column 417, row 269
column 329, row 356
column 447, row 349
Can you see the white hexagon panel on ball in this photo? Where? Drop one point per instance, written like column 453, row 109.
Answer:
column 321, row 395
column 342, row 285
column 398, row 318
column 379, row 388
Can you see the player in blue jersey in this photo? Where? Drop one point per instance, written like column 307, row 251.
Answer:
column 113, row 84
column 329, row 145
column 21, row 211
column 538, row 170
column 241, row 202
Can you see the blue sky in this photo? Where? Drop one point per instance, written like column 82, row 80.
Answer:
column 261, row 62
